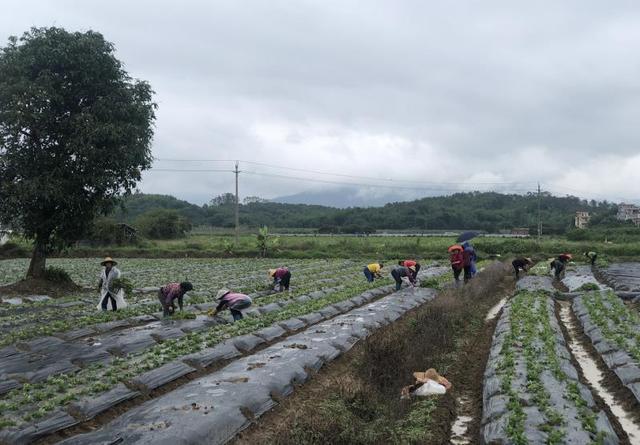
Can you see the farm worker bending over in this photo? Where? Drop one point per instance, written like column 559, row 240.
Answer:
column 559, row 264
column 373, row 270
column 233, row 301
column 409, row 263
column 456, row 259
column 521, row 263
column 171, row 292
column 592, row 257
column 107, row 294
column 400, row 272
column 281, row 277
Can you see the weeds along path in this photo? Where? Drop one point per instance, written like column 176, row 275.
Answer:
column 356, row 399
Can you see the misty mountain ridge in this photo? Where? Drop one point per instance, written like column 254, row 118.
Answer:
column 345, row 197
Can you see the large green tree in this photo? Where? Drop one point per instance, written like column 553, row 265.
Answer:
column 75, row 133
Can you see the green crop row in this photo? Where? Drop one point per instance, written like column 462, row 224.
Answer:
column 530, row 322
column 47, row 319
column 34, row 401
column 618, row 323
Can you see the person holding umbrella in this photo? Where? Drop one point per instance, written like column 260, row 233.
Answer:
column 468, row 260
column 457, row 260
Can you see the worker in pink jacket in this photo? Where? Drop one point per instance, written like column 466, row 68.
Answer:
column 281, row 278
column 232, row 300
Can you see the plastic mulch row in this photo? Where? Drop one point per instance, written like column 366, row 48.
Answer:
column 617, row 360
column 213, row 408
column 496, row 410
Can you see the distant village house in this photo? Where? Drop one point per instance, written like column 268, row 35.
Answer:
column 582, row 219
column 5, row 234
column 520, row 231
column 629, row 212
column 127, row 233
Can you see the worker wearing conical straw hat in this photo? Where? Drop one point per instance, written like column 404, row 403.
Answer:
column 108, row 295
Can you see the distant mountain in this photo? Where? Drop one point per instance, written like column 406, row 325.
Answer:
column 348, row 197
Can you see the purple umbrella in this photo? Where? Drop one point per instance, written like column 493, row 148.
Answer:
column 466, row 236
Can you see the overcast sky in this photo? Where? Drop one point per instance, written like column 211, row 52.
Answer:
column 457, row 95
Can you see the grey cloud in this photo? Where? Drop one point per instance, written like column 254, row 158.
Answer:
column 534, row 91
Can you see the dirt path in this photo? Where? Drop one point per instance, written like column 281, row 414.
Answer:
column 466, row 425
column 451, row 333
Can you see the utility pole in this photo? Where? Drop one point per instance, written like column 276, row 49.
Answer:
column 236, row 171
column 539, row 217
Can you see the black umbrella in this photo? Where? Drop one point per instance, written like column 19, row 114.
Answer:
column 466, row 236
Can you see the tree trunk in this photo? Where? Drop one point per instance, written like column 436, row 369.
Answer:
column 38, row 261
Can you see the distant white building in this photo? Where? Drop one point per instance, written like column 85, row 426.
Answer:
column 629, row 212
column 4, row 235
column 582, row 219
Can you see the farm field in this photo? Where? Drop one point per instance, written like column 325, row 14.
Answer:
column 61, row 356
column 75, row 375
column 321, row 247
column 544, row 384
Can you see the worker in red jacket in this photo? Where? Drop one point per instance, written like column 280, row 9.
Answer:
column 409, row 263
column 457, row 262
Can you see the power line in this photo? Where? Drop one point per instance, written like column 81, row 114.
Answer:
column 391, row 186
column 461, row 185
column 372, row 178
column 190, row 170
column 328, row 181
column 375, row 178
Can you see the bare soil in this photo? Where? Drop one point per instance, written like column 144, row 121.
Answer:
column 35, row 286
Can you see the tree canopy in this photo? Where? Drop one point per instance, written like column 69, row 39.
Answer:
column 162, row 224
column 75, row 133
column 487, row 211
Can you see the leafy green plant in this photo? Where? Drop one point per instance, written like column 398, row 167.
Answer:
column 586, row 287
column 265, row 241
column 57, row 275
column 123, row 284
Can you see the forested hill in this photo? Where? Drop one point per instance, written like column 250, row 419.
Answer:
column 483, row 211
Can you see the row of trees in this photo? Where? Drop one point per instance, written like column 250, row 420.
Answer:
column 483, row 211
